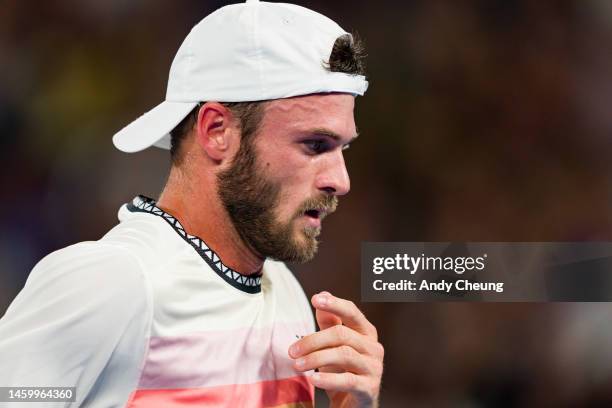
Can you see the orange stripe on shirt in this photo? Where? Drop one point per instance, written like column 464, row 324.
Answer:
column 291, row 392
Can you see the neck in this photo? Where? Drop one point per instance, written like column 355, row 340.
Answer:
column 196, row 204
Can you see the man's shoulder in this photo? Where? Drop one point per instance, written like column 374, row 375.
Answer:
column 90, row 255
column 94, row 268
column 86, row 288
column 84, row 309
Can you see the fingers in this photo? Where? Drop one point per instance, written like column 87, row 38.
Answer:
column 336, row 336
column 346, row 351
column 326, row 319
column 346, row 310
column 343, row 357
column 365, row 389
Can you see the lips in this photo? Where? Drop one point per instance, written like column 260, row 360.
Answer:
column 316, row 213
column 314, row 210
column 314, row 216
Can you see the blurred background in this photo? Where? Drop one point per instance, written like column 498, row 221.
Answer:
column 484, row 121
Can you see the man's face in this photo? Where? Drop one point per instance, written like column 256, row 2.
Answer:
column 286, row 179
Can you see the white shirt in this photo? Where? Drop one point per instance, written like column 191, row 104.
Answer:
column 149, row 316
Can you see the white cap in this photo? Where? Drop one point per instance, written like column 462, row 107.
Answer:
column 243, row 52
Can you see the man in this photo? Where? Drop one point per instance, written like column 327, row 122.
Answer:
column 187, row 302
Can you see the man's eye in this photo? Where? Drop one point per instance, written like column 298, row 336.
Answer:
column 316, row 146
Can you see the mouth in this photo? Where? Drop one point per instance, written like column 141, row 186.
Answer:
column 315, row 213
column 314, row 216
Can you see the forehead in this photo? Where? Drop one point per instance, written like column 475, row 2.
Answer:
column 324, row 111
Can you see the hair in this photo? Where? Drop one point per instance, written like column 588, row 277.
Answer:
column 347, row 56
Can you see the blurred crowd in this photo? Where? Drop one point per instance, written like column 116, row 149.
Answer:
column 484, row 121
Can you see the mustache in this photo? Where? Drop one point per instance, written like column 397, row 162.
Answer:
column 326, row 203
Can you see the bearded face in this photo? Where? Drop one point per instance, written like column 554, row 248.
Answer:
column 251, row 199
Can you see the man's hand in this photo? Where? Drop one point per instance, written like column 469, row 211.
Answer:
column 346, row 353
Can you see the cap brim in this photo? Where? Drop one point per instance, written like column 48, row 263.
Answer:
column 153, row 127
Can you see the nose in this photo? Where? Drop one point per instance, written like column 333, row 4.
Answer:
column 333, row 179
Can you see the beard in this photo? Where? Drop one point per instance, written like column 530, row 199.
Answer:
column 251, row 198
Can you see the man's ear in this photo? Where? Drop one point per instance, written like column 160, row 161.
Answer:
column 216, row 131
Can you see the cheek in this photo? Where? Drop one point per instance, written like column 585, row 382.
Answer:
column 295, row 181
column 290, row 168
column 292, row 195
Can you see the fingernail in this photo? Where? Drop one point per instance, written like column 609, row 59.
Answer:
column 295, row 349
column 316, row 376
column 323, row 299
column 300, row 362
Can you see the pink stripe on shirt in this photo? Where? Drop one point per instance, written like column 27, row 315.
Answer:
column 224, row 357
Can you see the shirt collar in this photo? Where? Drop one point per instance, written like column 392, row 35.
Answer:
column 249, row 284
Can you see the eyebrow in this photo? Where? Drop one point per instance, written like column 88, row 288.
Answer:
column 331, row 134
